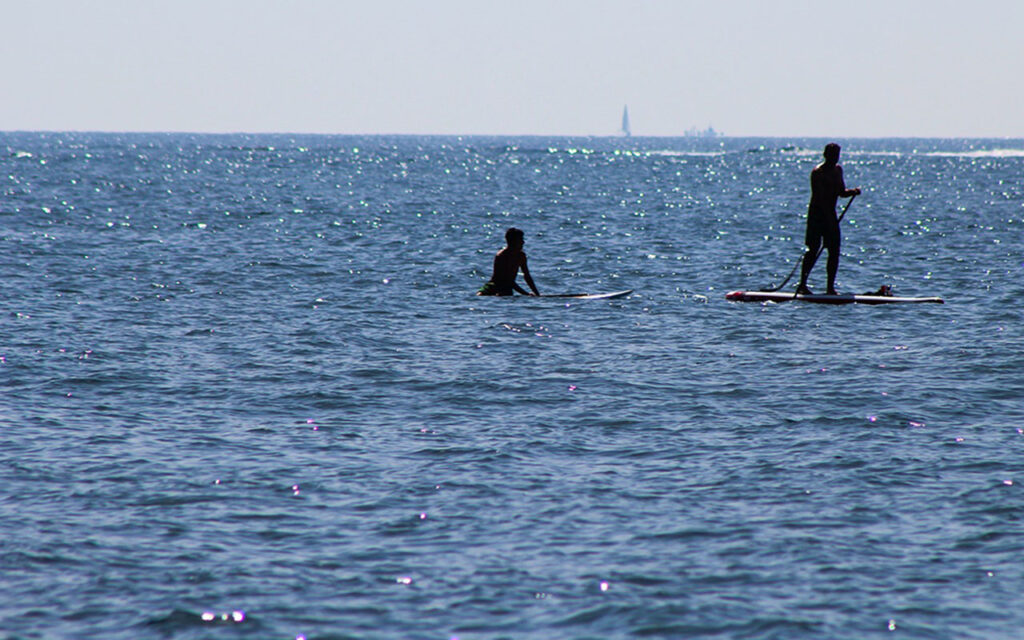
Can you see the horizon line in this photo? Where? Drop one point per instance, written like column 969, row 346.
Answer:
column 720, row 136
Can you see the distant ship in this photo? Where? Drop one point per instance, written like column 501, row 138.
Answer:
column 694, row 132
column 625, row 122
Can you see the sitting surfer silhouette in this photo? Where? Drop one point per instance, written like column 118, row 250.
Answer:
column 827, row 186
column 507, row 264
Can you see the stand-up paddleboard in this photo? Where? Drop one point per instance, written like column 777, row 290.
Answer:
column 590, row 296
column 842, row 298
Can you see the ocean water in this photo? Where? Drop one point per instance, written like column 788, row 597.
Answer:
column 246, row 391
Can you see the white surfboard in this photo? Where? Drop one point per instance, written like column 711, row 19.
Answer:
column 590, row 296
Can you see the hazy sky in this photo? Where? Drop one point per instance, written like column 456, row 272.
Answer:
column 943, row 68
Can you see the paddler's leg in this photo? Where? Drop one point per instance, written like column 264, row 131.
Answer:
column 833, row 267
column 805, row 269
column 832, row 244
column 812, row 238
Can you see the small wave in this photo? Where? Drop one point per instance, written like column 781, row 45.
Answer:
column 982, row 153
column 684, row 154
column 882, row 154
column 180, row 620
column 967, row 154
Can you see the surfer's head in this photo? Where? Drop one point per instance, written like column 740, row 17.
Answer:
column 514, row 237
column 832, row 152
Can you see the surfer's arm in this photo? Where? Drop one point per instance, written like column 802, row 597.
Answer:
column 843, row 191
column 528, row 277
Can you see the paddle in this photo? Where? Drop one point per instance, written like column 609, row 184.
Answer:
column 817, row 255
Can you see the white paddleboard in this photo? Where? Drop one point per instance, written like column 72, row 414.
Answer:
column 842, row 298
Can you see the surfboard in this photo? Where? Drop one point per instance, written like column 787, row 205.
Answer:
column 842, row 298
column 590, row 296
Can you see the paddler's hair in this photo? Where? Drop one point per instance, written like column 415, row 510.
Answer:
column 513, row 234
column 832, row 151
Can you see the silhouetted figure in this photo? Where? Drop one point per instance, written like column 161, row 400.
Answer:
column 827, row 187
column 507, row 264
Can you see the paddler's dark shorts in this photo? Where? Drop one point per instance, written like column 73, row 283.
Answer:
column 491, row 289
column 822, row 227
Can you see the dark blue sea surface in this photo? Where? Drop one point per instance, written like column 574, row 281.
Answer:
column 248, row 391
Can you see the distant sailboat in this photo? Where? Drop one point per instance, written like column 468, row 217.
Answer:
column 625, row 122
